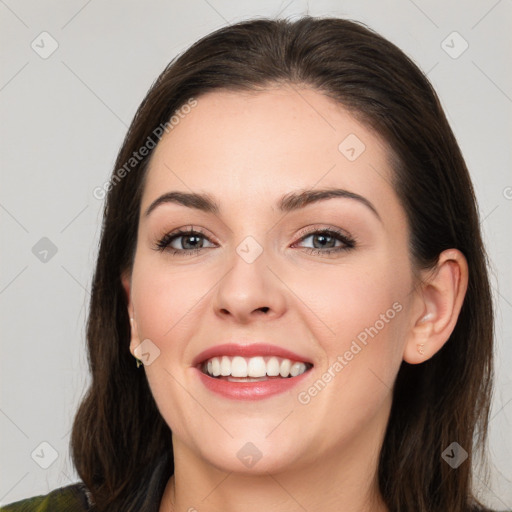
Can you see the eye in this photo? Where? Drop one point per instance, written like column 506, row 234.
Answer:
column 325, row 240
column 192, row 241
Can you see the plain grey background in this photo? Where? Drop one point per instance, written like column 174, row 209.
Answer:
column 73, row 74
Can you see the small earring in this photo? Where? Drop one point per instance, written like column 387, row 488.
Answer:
column 420, row 348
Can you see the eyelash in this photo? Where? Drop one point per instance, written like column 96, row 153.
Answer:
column 349, row 242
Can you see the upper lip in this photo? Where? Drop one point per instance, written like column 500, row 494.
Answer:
column 251, row 350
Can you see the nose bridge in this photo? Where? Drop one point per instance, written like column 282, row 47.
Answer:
column 249, row 286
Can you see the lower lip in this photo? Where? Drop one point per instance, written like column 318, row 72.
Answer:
column 250, row 390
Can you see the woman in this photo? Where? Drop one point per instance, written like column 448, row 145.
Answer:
column 291, row 247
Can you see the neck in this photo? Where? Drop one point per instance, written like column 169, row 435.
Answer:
column 344, row 478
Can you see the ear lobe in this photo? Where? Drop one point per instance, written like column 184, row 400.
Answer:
column 440, row 301
column 420, row 345
column 134, row 339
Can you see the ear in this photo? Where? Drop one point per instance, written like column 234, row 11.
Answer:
column 127, row 286
column 439, row 302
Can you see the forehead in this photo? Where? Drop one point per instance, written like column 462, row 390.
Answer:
column 251, row 148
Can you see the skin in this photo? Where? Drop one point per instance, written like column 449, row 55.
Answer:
column 247, row 150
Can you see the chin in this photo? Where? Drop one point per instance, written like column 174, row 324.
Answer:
column 256, row 457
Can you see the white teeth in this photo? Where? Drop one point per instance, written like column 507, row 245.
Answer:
column 284, row 369
column 238, row 367
column 297, row 369
column 256, row 367
column 273, row 367
column 253, row 367
column 215, row 367
column 225, row 366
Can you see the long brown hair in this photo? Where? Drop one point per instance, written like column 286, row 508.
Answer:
column 118, row 429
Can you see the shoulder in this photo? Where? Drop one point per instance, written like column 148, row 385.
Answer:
column 72, row 498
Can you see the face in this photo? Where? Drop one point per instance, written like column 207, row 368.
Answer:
column 325, row 282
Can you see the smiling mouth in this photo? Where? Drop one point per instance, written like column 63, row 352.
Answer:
column 252, row 369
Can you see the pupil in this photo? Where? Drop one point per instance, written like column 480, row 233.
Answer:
column 188, row 237
column 324, row 237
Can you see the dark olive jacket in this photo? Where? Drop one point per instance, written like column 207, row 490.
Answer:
column 72, row 498
column 77, row 498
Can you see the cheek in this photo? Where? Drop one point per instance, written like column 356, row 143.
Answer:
column 359, row 313
column 363, row 317
column 166, row 301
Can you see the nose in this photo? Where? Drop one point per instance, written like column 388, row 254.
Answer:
column 249, row 291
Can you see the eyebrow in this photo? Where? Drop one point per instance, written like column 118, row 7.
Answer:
column 288, row 203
